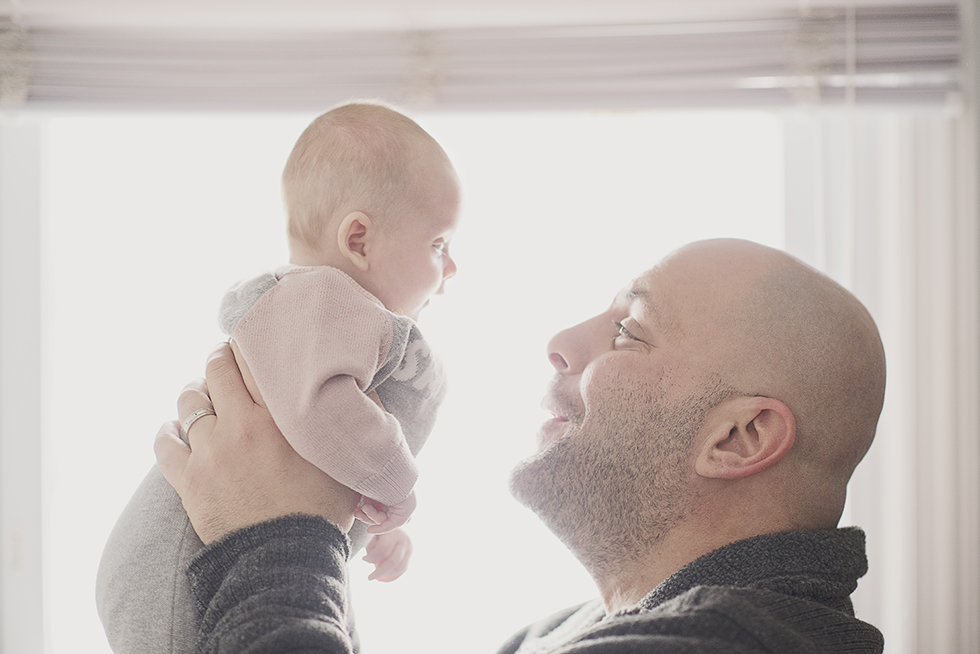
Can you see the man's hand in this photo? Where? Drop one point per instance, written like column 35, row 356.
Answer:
column 236, row 469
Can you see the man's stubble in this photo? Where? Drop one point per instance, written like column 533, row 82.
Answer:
column 613, row 486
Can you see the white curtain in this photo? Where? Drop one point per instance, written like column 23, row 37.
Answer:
column 885, row 202
column 20, row 387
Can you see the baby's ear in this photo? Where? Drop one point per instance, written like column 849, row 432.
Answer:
column 745, row 436
column 353, row 238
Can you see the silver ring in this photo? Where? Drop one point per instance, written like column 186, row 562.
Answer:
column 185, row 426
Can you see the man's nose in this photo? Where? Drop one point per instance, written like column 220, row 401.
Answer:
column 572, row 350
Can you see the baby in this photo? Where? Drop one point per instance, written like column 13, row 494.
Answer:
column 371, row 204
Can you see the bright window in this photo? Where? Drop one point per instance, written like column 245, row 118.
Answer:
column 150, row 217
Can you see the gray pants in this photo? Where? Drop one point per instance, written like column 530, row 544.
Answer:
column 141, row 592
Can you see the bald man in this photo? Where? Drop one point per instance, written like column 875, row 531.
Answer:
column 705, row 428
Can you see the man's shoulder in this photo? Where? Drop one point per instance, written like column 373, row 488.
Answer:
column 706, row 619
column 544, row 635
column 751, row 620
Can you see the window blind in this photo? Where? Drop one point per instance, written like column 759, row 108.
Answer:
column 901, row 54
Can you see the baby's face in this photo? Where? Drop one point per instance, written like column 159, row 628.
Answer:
column 411, row 261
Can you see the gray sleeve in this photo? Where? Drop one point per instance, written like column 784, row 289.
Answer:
column 412, row 383
column 279, row 586
column 240, row 298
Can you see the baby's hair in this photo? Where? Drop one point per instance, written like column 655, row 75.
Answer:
column 358, row 156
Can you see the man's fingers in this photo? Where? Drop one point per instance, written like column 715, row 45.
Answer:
column 239, row 470
column 172, row 453
column 193, row 397
column 193, row 405
column 225, row 383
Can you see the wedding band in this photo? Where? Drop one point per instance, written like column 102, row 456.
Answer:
column 194, row 417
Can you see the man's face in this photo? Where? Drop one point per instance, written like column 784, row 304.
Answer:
column 614, row 465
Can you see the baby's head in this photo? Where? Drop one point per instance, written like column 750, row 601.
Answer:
column 368, row 191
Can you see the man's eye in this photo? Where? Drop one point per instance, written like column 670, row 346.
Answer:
column 625, row 333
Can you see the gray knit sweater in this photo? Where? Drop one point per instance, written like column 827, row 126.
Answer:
column 280, row 587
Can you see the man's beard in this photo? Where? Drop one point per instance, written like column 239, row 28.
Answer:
column 612, row 489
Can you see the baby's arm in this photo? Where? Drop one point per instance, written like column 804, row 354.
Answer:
column 390, row 554
column 329, row 338
column 385, row 519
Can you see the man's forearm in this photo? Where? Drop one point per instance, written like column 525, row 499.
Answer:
column 274, row 587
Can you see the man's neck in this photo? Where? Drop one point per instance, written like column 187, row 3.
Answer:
column 628, row 581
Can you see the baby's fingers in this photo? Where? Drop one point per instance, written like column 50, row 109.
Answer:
column 390, row 553
column 378, row 550
column 393, row 566
column 367, row 512
column 384, row 526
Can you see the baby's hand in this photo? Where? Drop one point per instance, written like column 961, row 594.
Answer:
column 389, row 553
column 384, row 518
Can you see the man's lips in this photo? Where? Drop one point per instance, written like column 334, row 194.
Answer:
column 566, row 408
column 553, row 429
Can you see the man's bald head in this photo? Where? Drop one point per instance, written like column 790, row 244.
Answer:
column 786, row 331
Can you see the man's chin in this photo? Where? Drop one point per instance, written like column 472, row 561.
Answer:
column 536, row 483
column 522, row 480
column 533, row 481
column 517, row 483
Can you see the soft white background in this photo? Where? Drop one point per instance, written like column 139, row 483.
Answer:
column 149, row 218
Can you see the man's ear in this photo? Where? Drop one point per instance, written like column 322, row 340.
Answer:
column 354, row 236
column 745, row 436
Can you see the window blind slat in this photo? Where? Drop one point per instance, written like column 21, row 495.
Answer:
column 903, row 54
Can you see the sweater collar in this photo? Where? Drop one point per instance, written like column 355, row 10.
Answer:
column 823, row 565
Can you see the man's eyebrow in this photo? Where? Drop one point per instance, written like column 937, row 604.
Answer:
column 650, row 306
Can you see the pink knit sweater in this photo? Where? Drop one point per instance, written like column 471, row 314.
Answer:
column 313, row 342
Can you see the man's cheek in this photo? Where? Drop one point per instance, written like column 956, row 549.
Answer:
column 615, row 381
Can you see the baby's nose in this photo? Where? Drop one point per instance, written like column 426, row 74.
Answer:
column 449, row 270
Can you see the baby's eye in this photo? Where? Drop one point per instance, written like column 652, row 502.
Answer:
column 440, row 247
